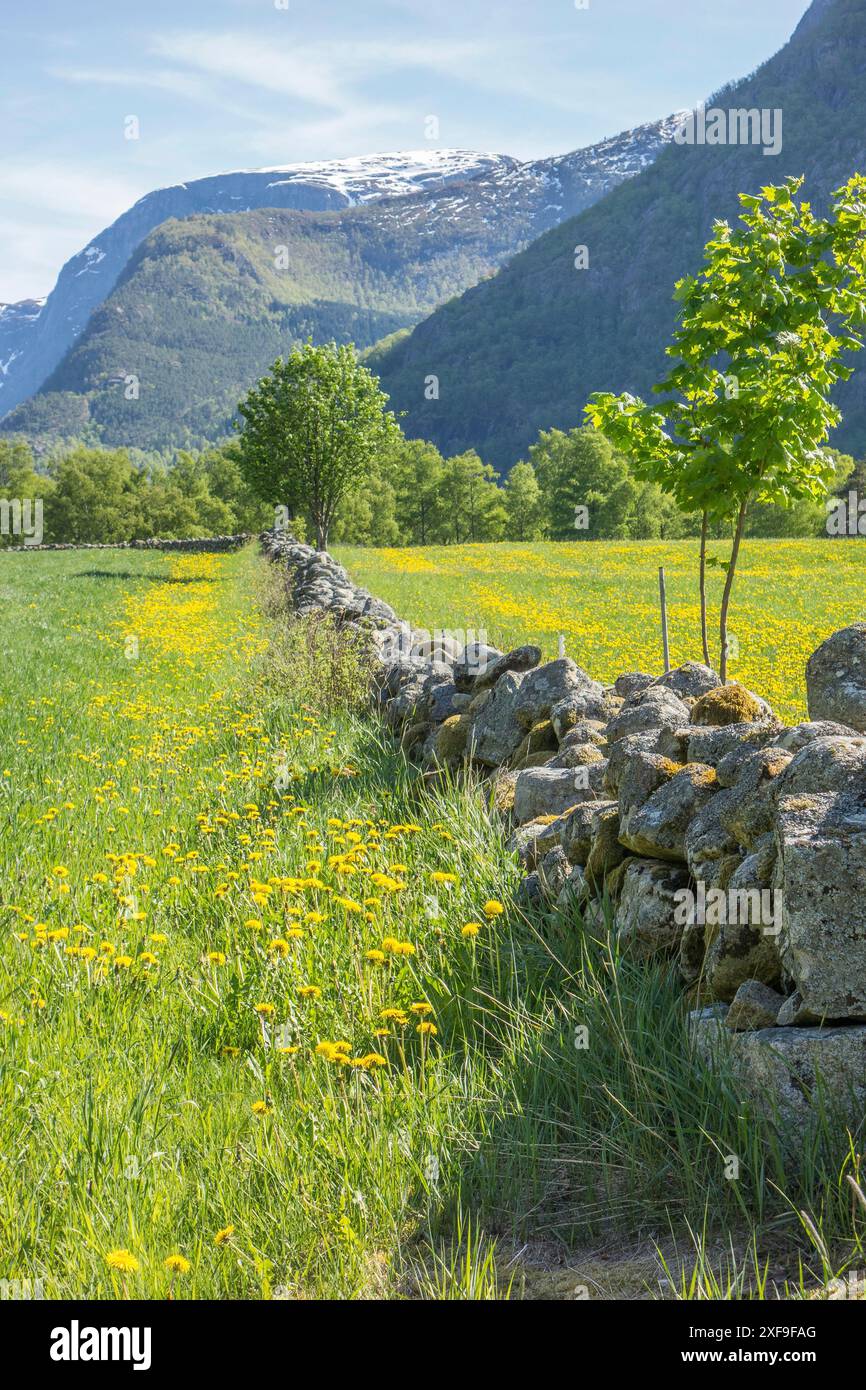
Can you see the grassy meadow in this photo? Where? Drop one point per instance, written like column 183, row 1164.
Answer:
column 603, row 598
column 270, row 1023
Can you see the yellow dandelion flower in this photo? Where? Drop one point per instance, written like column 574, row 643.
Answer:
column 122, row 1261
column 178, row 1264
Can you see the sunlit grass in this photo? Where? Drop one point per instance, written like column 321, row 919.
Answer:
column 242, row 1023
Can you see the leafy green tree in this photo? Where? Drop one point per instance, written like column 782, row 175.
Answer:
column 588, row 490
column 762, row 331
column 226, row 482
column 472, row 500
column 524, row 504
column 311, row 429
column 417, row 470
column 367, row 514
column 96, row 497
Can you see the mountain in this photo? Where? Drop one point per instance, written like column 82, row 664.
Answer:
column 196, row 308
column 32, row 345
column 524, row 350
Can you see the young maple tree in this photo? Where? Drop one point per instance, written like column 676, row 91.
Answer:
column 759, row 346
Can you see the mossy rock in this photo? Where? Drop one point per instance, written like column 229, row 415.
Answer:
column 477, row 703
column 532, row 760
column 540, row 739
column 502, row 792
column 451, row 738
column 614, row 879
column 728, row 704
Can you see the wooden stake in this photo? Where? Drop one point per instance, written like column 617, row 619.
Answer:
column 664, row 608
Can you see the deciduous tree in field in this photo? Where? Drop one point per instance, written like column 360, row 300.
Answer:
column 762, row 331
column 311, row 429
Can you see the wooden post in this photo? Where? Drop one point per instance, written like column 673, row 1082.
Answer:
column 562, row 644
column 664, row 608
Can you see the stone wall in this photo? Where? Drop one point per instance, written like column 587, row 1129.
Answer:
column 198, row 543
column 726, row 842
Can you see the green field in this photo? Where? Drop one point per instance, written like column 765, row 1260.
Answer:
column 268, row 1011
column 603, row 598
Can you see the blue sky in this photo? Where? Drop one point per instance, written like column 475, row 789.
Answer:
column 234, row 84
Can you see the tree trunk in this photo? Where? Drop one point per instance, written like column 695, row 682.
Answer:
column 704, row 638
column 321, row 534
column 729, row 584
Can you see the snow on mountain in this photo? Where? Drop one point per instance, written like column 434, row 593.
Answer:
column 393, row 175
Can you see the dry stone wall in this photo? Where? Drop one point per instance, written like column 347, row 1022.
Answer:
column 727, row 842
column 197, row 543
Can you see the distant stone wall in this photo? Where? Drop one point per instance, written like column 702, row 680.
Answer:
column 728, row 843
column 198, row 543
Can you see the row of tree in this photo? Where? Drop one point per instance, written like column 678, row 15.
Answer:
column 107, row 495
column 573, row 486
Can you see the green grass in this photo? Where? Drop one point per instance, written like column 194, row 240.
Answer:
column 602, row 597
column 151, row 704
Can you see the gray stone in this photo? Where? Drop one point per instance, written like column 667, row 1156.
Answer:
column 754, row 1005
column 590, row 703
column 579, row 829
column 821, row 873
column 691, row 680
column 745, row 945
column 836, row 678
column 573, row 891
column 712, row 852
column 646, row 918
column 542, row 791
column 495, row 734
column 473, row 661
column 631, row 683
column 793, row 1013
column 440, row 700
column 521, row 659
column 799, row 735
column 642, row 775
column 606, row 852
column 792, row 1075
column 711, row 745
column 544, row 886
column 653, row 708
column 532, row 841
column 658, row 827
column 826, row 765
column 584, row 731
column 579, row 755
column 549, row 685
column 749, row 809
column 666, row 743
